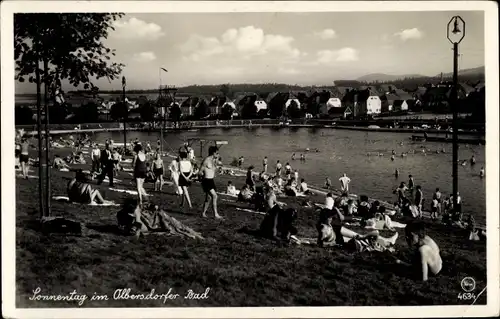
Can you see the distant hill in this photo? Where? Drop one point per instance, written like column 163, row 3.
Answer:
column 467, row 72
column 381, row 77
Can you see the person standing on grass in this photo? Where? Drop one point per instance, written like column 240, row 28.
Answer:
column 279, row 166
column 24, row 157
column 264, row 164
column 95, row 156
column 419, row 200
column 437, row 196
column 208, row 184
column 174, row 174
column 158, row 171
column 107, row 165
column 250, row 180
column 140, row 171
column 344, row 184
column 185, row 174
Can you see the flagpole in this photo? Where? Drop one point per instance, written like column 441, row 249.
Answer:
column 162, row 115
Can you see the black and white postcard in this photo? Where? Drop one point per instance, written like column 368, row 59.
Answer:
column 253, row 159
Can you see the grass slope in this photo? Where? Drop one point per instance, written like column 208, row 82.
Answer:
column 240, row 270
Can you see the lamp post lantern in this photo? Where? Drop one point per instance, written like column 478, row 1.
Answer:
column 455, row 34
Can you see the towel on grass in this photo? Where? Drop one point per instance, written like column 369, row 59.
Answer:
column 65, row 199
column 249, row 211
column 128, row 191
column 29, row 176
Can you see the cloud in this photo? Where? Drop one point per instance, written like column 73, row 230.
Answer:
column 341, row 55
column 245, row 42
column 326, row 34
column 409, row 34
column 288, row 71
column 134, row 28
column 145, row 56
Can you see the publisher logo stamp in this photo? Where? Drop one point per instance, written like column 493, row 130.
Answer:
column 468, row 284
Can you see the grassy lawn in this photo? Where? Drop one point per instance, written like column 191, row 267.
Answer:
column 239, row 269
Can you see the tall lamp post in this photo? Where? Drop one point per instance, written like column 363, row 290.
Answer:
column 125, row 115
column 455, row 34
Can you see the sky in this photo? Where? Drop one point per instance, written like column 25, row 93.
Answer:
column 293, row 48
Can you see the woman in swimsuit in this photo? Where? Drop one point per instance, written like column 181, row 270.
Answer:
column 140, row 171
column 158, row 170
column 185, row 173
column 24, row 157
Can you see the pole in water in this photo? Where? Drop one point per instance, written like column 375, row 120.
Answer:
column 40, row 145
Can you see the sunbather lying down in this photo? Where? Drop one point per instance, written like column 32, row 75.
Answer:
column 350, row 239
column 135, row 219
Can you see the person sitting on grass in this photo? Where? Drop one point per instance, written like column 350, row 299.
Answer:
column 245, row 194
column 79, row 191
column 352, row 209
column 79, row 159
column 291, row 188
column 278, row 223
column 364, row 207
column 150, row 176
column 329, row 220
column 303, row 187
column 231, row 189
column 59, row 163
column 427, row 258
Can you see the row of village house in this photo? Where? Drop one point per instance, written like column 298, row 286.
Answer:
column 340, row 100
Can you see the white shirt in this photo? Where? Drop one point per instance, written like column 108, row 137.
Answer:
column 231, row 189
column 288, row 167
column 185, row 166
column 278, row 166
column 303, row 186
column 296, row 175
column 329, row 203
column 344, row 180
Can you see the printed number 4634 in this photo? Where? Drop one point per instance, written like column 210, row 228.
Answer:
column 466, row 296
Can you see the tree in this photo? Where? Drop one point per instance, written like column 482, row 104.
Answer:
column 175, row 112
column 226, row 112
column 23, row 115
column 293, row 110
column 225, row 90
column 119, row 111
column 277, row 106
column 147, row 111
column 202, row 110
column 58, row 113
column 249, row 110
column 87, row 113
column 70, row 45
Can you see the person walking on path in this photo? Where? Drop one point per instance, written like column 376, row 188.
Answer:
column 207, row 171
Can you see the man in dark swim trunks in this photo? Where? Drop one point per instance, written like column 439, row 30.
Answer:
column 207, row 171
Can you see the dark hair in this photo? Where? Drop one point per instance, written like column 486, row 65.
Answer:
column 363, row 198
column 418, row 187
column 137, row 148
column 381, row 209
column 183, row 154
column 212, row 150
column 302, row 180
column 329, row 195
column 410, row 176
column 376, row 203
column 437, row 189
column 415, row 228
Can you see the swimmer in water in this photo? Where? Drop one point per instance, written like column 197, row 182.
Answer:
column 392, row 157
column 393, row 152
column 481, row 172
column 472, row 160
column 293, row 156
column 396, row 173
